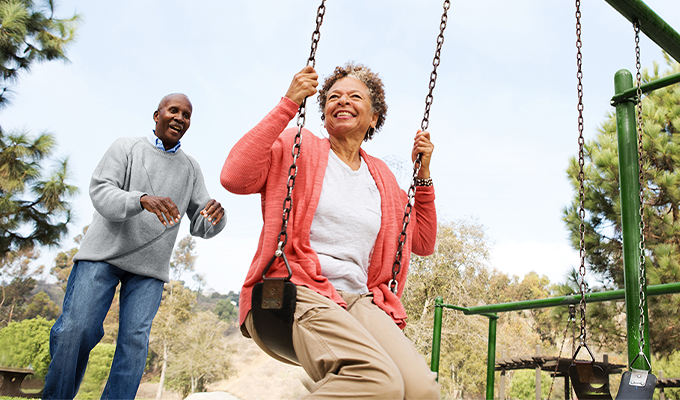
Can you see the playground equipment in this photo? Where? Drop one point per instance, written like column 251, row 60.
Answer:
column 635, row 292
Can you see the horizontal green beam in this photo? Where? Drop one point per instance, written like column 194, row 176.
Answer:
column 646, row 88
column 650, row 23
column 595, row 297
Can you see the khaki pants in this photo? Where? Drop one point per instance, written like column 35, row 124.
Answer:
column 359, row 352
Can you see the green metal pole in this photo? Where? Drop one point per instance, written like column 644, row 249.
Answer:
column 630, row 214
column 437, row 335
column 650, row 23
column 646, row 88
column 491, row 357
column 595, row 297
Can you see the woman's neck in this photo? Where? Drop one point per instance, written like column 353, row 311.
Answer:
column 347, row 151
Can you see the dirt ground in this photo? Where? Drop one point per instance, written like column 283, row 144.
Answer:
column 256, row 376
column 253, row 376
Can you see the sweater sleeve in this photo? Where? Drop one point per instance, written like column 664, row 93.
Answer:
column 200, row 226
column 425, row 232
column 247, row 166
column 109, row 195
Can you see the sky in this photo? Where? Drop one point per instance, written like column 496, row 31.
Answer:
column 503, row 120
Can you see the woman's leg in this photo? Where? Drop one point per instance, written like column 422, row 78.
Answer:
column 338, row 353
column 419, row 381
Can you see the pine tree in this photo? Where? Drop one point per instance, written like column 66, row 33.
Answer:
column 33, row 210
column 603, row 233
column 29, row 33
column 33, row 207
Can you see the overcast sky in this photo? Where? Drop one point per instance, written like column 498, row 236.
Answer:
column 504, row 118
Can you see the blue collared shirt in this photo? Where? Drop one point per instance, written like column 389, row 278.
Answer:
column 159, row 143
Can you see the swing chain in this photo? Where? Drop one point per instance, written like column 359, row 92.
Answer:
column 396, row 267
column 641, row 282
column 292, row 171
column 581, row 175
column 435, row 64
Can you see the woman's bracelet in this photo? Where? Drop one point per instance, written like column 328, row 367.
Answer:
column 424, row 182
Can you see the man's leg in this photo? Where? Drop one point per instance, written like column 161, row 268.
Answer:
column 140, row 297
column 88, row 297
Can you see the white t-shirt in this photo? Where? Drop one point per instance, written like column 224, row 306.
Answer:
column 346, row 224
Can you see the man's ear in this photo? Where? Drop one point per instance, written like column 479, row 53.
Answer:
column 155, row 116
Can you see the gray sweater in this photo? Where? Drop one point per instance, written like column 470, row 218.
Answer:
column 125, row 235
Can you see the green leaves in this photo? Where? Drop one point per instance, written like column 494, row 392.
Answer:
column 33, row 207
column 30, row 33
column 25, row 344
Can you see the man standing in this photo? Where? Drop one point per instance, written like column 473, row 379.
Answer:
column 140, row 190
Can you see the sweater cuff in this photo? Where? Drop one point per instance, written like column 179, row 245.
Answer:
column 425, row 194
column 289, row 106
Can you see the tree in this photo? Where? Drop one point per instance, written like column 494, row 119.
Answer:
column 17, row 278
column 29, row 201
column 40, row 305
column 183, row 258
column 175, row 309
column 523, row 385
column 63, row 262
column 30, row 33
column 226, row 311
column 202, row 356
column 26, row 344
column 603, row 233
column 33, row 210
column 459, row 271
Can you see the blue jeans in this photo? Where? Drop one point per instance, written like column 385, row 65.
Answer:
column 89, row 293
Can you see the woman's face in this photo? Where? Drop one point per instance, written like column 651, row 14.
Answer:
column 348, row 109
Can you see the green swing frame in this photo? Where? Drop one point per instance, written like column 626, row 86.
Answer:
column 624, row 101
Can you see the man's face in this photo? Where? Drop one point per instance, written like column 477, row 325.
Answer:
column 172, row 118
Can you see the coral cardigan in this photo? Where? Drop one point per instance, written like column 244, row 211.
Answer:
column 260, row 162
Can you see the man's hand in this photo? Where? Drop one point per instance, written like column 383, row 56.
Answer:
column 213, row 211
column 164, row 208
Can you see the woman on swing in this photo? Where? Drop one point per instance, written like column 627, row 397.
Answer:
column 347, row 214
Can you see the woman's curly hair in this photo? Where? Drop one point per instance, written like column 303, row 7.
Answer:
column 375, row 90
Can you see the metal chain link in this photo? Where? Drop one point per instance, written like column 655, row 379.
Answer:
column 581, row 175
column 396, row 267
column 641, row 181
column 292, row 171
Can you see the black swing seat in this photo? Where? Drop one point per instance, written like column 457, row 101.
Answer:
column 632, row 390
column 273, row 310
column 589, row 380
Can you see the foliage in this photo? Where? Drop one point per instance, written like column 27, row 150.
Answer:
column 183, row 258
column 17, row 279
column 33, row 206
column 226, row 310
column 175, row 309
column 63, row 262
column 459, row 272
column 25, row 344
column 200, row 356
column 30, row 33
column 40, row 305
column 523, row 385
column 97, row 372
column 603, row 231
column 670, row 365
